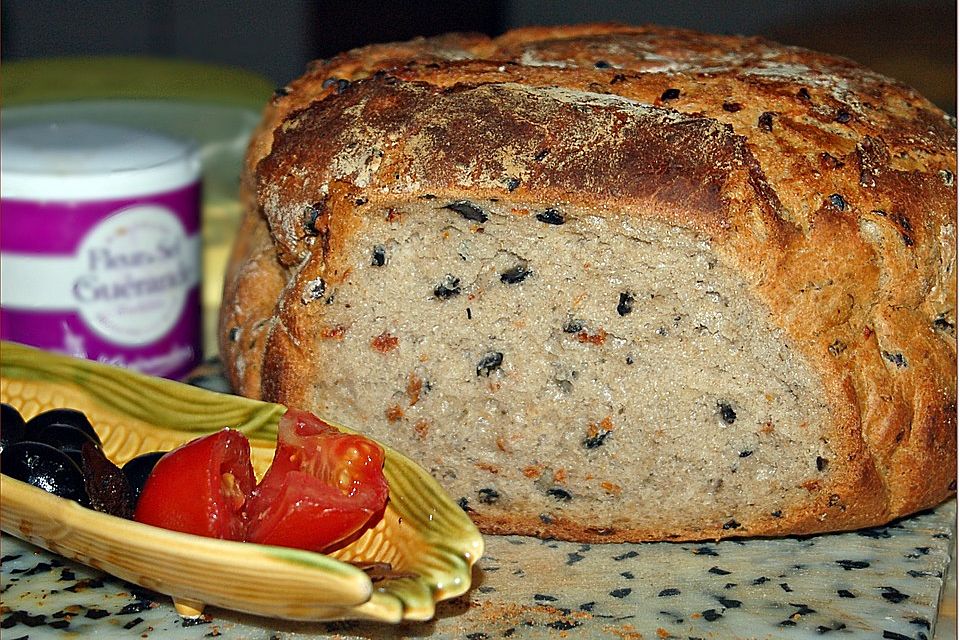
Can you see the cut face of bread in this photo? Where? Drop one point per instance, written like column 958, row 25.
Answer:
column 576, row 366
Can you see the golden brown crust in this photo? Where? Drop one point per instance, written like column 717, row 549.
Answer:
column 829, row 187
column 249, row 302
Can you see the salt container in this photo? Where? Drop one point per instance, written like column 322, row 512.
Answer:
column 100, row 252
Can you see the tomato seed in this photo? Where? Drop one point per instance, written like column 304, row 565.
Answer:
column 345, row 482
column 230, row 490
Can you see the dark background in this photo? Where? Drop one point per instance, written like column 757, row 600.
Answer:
column 913, row 41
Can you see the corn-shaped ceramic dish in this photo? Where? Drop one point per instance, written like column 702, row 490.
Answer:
column 428, row 542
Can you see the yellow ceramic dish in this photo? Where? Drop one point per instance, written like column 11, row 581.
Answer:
column 426, row 541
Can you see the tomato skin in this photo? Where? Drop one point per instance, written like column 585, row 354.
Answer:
column 201, row 487
column 323, row 489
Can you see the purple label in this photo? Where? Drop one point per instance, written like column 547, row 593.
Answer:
column 57, row 228
column 113, row 281
column 173, row 356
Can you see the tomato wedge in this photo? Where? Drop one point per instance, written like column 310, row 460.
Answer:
column 201, row 487
column 323, row 489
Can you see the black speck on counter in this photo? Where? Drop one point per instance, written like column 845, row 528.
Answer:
column 137, row 607
column 40, row 567
column 711, row 615
column 564, row 625
column 22, row 617
column 876, row 533
column 892, row 594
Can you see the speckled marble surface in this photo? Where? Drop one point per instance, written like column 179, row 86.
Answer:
column 877, row 583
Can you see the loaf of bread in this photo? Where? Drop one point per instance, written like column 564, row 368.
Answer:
column 612, row 283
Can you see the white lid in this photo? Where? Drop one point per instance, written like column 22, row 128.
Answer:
column 63, row 161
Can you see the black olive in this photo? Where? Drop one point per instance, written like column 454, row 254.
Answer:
column 44, row 467
column 515, row 274
column 489, row 496
column 670, row 94
column 70, row 417
column 838, row 202
column 67, row 438
column 379, row 256
column 468, row 210
column 62, row 436
column 11, row 425
column 107, row 486
column 138, row 470
column 765, row 121
column 625, row 305
column 448, row 287
column 490, row 362
column 71, row 452
column 551, row 216
column 727, row 414
column 573, row 326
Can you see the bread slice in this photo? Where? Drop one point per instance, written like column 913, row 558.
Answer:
column 612, row 283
